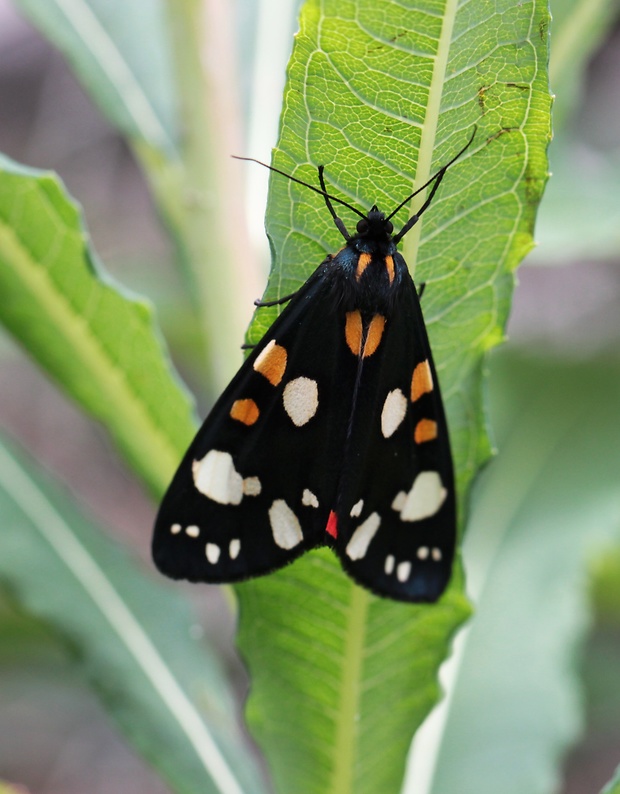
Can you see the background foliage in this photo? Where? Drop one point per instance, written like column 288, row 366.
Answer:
column 336, row 673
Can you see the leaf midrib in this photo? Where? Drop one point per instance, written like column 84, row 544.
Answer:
column 346, row 743
column 155, row 451
column 411, row 243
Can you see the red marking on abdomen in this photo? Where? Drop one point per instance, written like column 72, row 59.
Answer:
column 332, row 524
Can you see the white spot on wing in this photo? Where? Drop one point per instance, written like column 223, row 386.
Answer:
column 389, row 564
column 356, row 510
column 215, row 476
column 251, row 486
column 234, row 548
column 423, row 553
column 399, row 501
column 393, row 413
column 192, row 530
column 213, row 552
column 426, row 496
column 436, row 554
column 360, row 539
column 301, row 400
column 309, row 499
column 175, row 529
column 403, row 570
column 285, row 525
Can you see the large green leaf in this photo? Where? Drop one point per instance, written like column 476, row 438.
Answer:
column 132, row 636
column 121, row 53
column 543, row 510
column 614, row 785
column 382, row 94
column 98, row 343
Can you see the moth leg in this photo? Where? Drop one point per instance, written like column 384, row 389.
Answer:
column 260, row 303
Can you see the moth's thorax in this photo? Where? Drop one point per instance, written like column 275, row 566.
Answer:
column 366, row 280
column 371, row 255
column 376, row 247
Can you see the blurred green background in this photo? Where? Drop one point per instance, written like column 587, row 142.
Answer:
column 550, row 500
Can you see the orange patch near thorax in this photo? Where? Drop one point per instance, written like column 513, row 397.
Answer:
column 362, row 263
column 365, row 259
column 373, row 337
column 353, row 332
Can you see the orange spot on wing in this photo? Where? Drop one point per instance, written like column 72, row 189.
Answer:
column 422, row 380
column 425, row 430
column 353, row 332
column 332, row 524
column 389, row 266
column 271, row 363
column 244, row 411
column 362, row 264
column 374, row 334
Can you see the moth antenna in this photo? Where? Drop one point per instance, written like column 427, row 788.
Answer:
column 301, row 182
column 320, row 191
column 436, row 178
column 338, row 221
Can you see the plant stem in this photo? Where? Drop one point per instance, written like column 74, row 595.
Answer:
column 202, row 198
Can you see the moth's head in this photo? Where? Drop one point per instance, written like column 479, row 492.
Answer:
column 375, row 224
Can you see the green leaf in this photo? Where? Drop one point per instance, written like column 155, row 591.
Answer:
column 613, row 787
column 545, row 508
column 121, row 53
column 382, row 94
column 338, row 674
column 606, row 590
column 24, row 639
column 100, row 345
column 132, row 636
column 7, row 788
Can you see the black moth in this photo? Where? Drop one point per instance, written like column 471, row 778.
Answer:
column 332, row 433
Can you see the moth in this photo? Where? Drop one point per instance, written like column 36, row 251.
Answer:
column 332, row 433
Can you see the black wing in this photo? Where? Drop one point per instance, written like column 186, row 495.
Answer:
column 396, row 506
column 332, row 432
column 256, row 487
